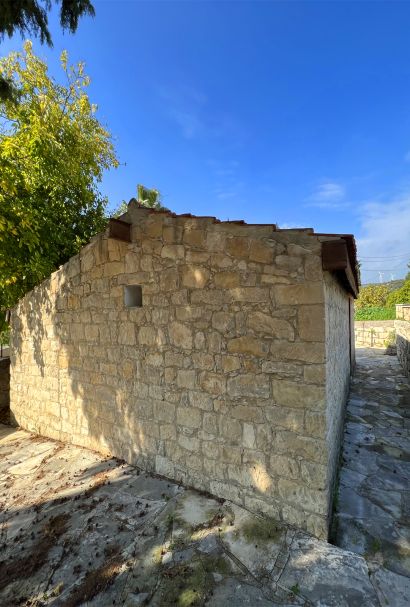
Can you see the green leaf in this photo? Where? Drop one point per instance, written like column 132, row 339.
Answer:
column 53, row 154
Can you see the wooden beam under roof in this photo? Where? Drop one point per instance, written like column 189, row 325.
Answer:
column 335, row 258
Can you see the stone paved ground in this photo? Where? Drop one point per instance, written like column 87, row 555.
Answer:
column 373, row 516
column 80, row 529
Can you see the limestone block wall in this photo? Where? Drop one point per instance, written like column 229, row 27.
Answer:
column 338, row 367
column 402, row 326
column 218, row 380
column 374, row 333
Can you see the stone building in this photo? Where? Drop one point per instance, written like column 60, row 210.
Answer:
column 214, row 353
column 402, row 327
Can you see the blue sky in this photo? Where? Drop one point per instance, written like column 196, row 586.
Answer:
column 296, row 113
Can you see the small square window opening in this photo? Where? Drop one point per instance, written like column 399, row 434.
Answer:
column 133, row 296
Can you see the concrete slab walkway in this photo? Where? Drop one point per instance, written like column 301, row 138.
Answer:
column 80, row 529
column 373, row 509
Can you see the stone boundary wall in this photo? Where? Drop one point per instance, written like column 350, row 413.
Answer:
column 4, row 388
column 374, row 333
column 218, row 381
column 402, row 325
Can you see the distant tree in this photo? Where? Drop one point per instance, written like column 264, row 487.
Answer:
column 372, row 296
column 30, row 17
column 53, row 151
column 400, row 296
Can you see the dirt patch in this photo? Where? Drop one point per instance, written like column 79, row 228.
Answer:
column 37, row 557
column 96, row 581
column 99, row 481
column 215, row 521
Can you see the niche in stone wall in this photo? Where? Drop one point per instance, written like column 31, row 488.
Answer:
column 133, row 296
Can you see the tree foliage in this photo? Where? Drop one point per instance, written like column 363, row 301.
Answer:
column 30, row 17
column 372, row 296
column 400, row 296
column 53, row 152
column 120, row 210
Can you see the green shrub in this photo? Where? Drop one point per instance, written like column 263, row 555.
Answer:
column 400, row 296
column 375, row 313
column 4, row 329
column 4, row 337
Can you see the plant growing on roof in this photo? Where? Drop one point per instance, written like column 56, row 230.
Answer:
column 150, row 198
column 146, row 197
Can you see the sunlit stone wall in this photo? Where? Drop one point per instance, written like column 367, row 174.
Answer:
column 402, row 325
column 374, row 333
column 218, row 380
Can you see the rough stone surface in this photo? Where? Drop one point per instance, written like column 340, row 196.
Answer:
column 372, row 515
column 220, row 370
column 402, row 326
column 338, row 368
column 80, row 529
column 374, row 333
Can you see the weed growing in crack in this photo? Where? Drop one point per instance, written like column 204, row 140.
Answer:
column 261, row 530
column 295, row 589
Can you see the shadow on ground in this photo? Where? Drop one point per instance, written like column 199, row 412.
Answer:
column 81, row 529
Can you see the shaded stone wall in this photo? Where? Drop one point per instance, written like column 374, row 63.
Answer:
column 4, row 389
column 217, row 381
column 338, row 368
column 374, row 333
column 402, row 325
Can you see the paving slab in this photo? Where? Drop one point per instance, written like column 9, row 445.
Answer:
column 373, row 506
column 327, row 575
column 77, row 529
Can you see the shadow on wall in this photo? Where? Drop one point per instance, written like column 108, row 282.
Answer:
column 122, row 380
column 70, row 367
column 95, row 386
column 36, row 307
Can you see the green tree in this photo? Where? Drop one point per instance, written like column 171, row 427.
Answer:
column 120, row 210
column 53, row 152
column 372, row 296
column 400, row 296
column 30, row 17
